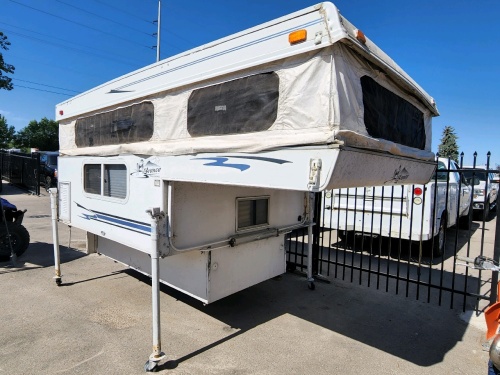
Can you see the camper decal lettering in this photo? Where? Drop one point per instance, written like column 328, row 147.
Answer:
column 220, row 161
column 400, row 174
column 145, row 170
column 117, row 221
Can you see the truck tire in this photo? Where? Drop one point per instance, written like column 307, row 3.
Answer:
column 48, row 183
column 435, row 246
column 465, row 222
column 346, row 236
column 19, row 238
column 486, row 209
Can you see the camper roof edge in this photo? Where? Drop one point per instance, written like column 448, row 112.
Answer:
column 322, row 19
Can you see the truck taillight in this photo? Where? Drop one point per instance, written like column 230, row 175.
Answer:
column 417, row 192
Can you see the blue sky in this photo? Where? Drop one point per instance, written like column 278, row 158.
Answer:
column 64, row 47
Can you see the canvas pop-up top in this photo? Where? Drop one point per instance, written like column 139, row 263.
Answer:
column 192, row 169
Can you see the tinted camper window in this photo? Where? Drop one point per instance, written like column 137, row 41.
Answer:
column 92, row 178
column 390, row 117
column 109, row 180
column 245, row 105
column 123, row 125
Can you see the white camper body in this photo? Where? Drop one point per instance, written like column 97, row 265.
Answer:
column 228, row 140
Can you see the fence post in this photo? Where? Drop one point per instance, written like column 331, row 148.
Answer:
column 316, row 233
column 37, row 189
column 496, row 257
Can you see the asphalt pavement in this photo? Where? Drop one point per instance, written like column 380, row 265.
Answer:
column 99, row 320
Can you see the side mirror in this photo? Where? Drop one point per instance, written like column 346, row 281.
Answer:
column 464, row 180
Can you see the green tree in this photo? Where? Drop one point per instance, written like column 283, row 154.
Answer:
column 5, row 82
column 6, row 133
column 43, row 135
column 448, row 147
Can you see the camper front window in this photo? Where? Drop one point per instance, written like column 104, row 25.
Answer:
column 108, row 180
column 92, row 178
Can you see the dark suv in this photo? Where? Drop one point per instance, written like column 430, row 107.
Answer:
column 48, row 168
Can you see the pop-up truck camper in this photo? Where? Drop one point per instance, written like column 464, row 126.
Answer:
column 194, row 168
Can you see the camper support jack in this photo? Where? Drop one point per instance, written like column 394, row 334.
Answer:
column 157, row 354
column 55, row 236
column 310, row 210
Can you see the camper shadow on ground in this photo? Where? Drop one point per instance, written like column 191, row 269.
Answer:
column 40, row 255
column 411, row 330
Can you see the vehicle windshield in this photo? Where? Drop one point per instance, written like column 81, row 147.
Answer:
column 478, row 176
column 52, row 160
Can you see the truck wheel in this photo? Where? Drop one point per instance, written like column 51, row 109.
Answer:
column 48, row 183
column 439, row 242
column 436, row 245
column 486, row 210
column 19, row 238
column 466, row 221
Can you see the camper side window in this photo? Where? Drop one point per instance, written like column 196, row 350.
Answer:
column 252, row 212
column 244, row 105
column 109, row 180
column 388, row 116
column 130, row 124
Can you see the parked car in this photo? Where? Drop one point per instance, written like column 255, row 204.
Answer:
column 485, row 186
column 48, row 168
column 407, row 211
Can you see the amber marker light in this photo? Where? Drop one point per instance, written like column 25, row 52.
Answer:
column 298, row 36
column 360, row 36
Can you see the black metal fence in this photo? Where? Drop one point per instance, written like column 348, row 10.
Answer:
column 363, row 235
column 21, row 169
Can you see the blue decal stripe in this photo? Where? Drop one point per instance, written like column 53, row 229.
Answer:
column 119, row 226
column 260, row 158
column 132, row 225
column 221, row 162
column 124, row 223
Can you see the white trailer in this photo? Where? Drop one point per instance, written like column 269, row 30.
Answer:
column 192, row 169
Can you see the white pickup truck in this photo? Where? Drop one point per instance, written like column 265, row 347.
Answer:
column 406, row 210
column 485, row 186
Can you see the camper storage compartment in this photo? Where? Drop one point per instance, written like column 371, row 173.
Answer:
column 206, row 213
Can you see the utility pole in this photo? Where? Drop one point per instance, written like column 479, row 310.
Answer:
column 158, row 33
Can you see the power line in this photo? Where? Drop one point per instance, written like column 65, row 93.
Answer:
column 123, row 11
column 104, row 18
column 45, row 85
column 50, row 36
column 148, row 22
column 52, row 92
column 87, row 74
column 70, row 48
column 79, row 24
